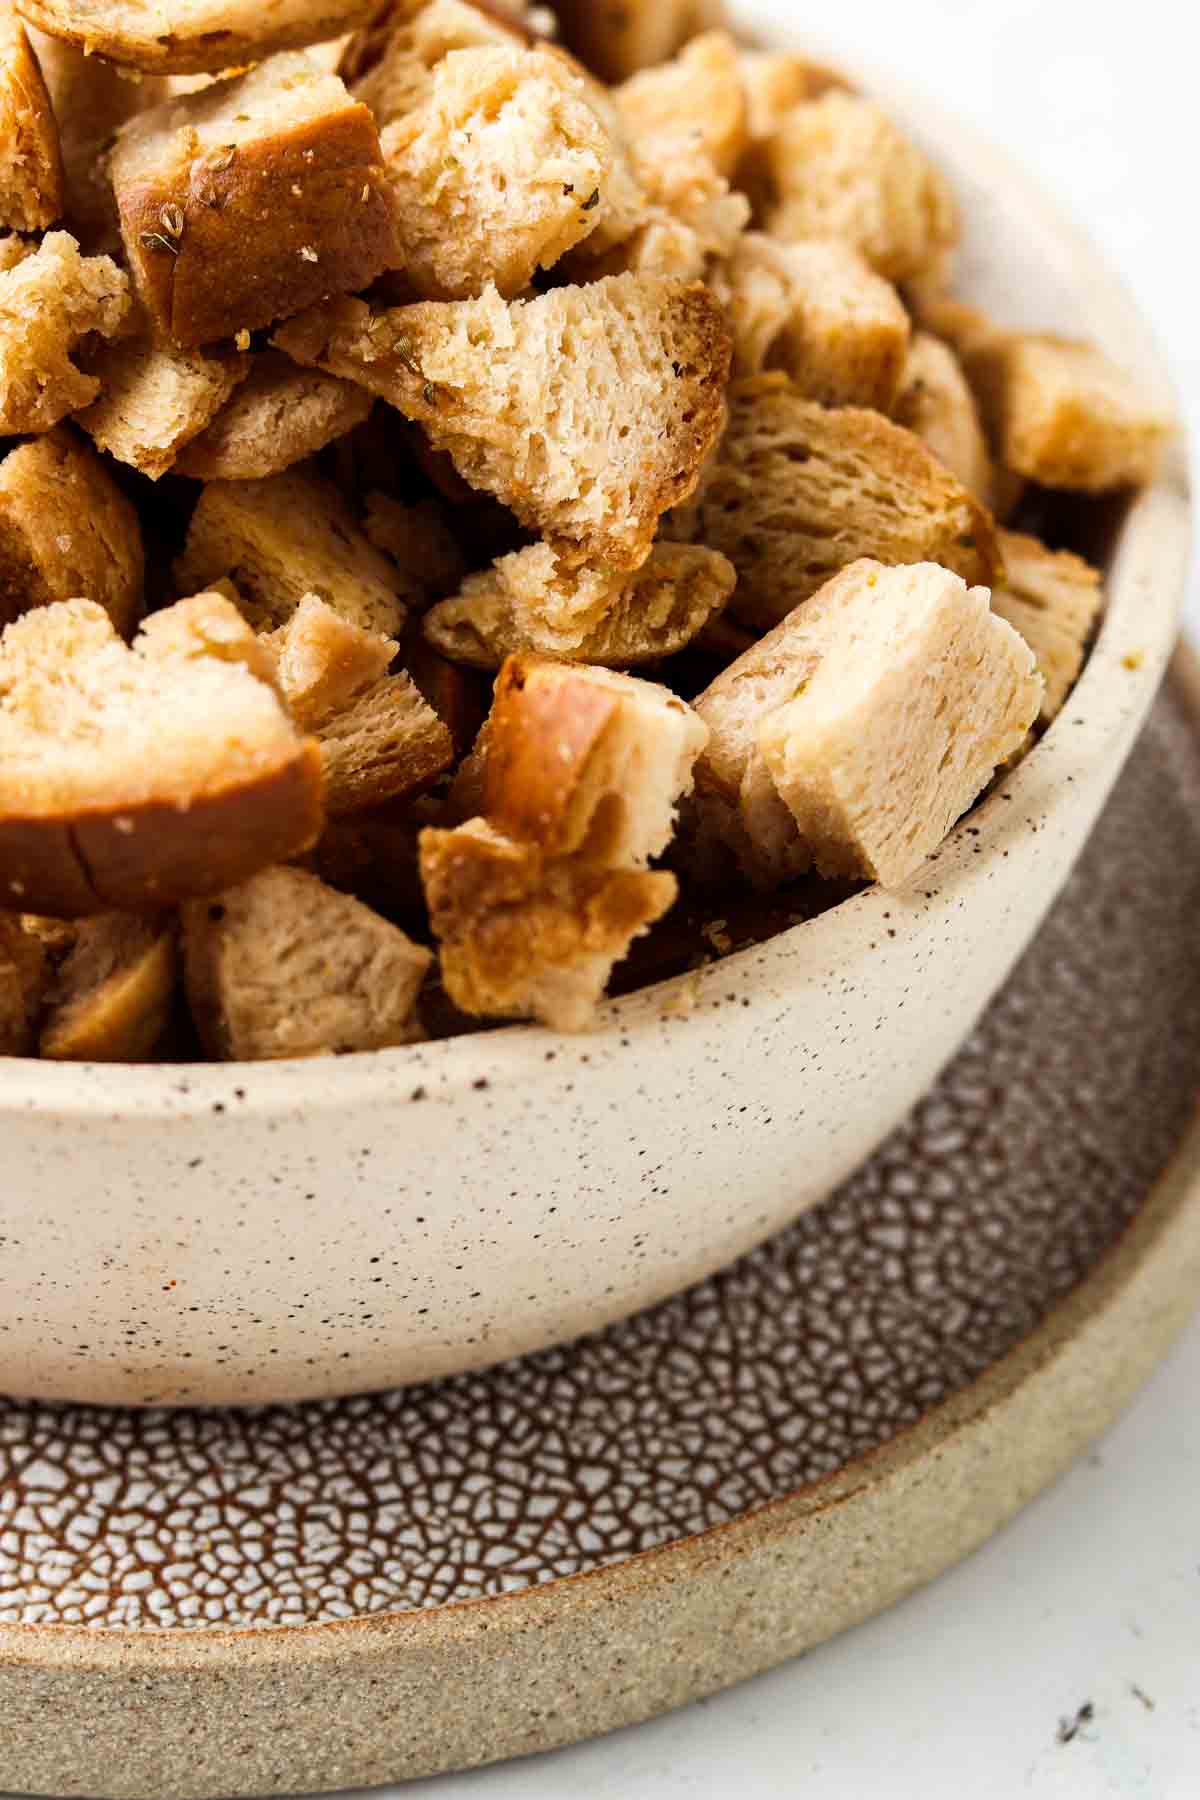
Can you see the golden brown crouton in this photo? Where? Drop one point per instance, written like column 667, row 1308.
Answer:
column 387, row 744
column 111, row 999
column 31, row 171
column 936, row 402
column 277, row 416
column 323, row 661
column 191, row 35
column 1052, row 598
column 699, row 93
column 797, row 492
column 66, row 529
column 251, row 199
column 49, row 302
column 389, row 64
column 588, row 446
column 154, row 399
column 855, row 733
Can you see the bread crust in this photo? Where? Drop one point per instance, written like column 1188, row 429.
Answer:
column 225, row 34
column 31, row 168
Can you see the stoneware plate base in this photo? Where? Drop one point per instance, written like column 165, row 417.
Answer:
column 353, row 1592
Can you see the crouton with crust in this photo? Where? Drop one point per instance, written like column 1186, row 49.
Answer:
column 935, row 401
column 276, row 417
column 110, row 1001
column 155, row 398
column 50, row 301
column 191, row 36
column 31, row 169
column 1052, row 598
column 699, row 92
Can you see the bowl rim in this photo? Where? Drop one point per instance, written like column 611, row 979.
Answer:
column 1157, row 521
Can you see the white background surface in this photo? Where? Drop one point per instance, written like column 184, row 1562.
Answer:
column 1095, row 1590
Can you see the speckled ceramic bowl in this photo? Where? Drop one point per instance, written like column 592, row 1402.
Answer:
column 266, row 1232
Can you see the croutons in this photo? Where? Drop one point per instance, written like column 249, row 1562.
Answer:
column 31, row 171
column 389, row 64
column 588, row 447
column 855, row 733
column 155, row 398
column 700, row 92
column 616, row 41
column 111, row 999
column 841, row 169
column 527, row 602
column 284, row 966
column 420, row 540
column 276, row 417
column 249, row 200
column 1052, row 598
column 192, row 36
column 797, row 492
column 936, row 402
column 282, row 538
column 323, row 661
column 132, row 778
column 819, row 312
column 387, row 744
column 496, row 175
column 66, row 529
column 49, row 302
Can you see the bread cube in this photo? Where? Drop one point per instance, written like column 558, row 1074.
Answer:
column 31, row 170
column 796, row 492
column 936, row 403
column 852, row 736
column 251, row 199
column 110, row 1001
column 819, row 312
column 284, row 966
column 66, row 529
column 588, row 410
column 389, row 64
column 616, row 41
column 49, row 302
column 154, row 399
column 276, row 417
column 526, row 601
column 192, row 36
column 386, row 744
column 323, row 661
column 700, row 93
column 283, row 538
column 1053, row 599
column 841, row 169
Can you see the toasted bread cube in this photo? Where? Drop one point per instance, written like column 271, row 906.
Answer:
column 497, row 175
column 526, row 601
column 91, row 100
column 700, row 92
column 587, row 763
column 389, row 64
column 276, row 417
column 775, row 81
column 855, row 733
column 819, row 312
column 1053, row 599
column 1062, row 414
column 66, row 529
column 133, row 778
column 617, row 41
column 154, row 399
column 936, row 402
column 842, row 170
column 458, row 695
column 587, row 410
column 324, row 661
column 285, row 537
column 111, row 999
column 14, row 250
column 192, row 36
column 387, row 744
column 689, row 218
column 251, row 199
column 31, row 170
column 284, row 966
column 49, row 302
column 24, row 974
column 420, row 539
column 521, row 937
column 797, row 492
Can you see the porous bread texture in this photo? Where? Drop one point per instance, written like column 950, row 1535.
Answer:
column 797, row 492
column 31, row 170
column 251, row 199
column 854, row 735
column 91, row 100
column 277, row 416
column 820, row 313
column 496, row 175
column 24, row 972
column 520, row 937
column 154, row 398
column 110, row 1000
column 617, row 41
column 774, row 81
column 526, row 601
column 936, row 402
column 1064, row 414
column 700, row 93
column 323, row 660
column 389, row 64
column 588, row 410
column 192, row 36
column 1052, row 598
column 586, row 762
column 387, row 744
column 66, row 529
column 49, row 302
column 133, row 778
column 419, row 538
column 284, row 966
column 282, row 538
column 841, row 169
column 679, row 216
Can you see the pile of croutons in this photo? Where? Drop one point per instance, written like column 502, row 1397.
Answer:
column 460, row 455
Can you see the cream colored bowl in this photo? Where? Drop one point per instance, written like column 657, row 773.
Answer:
column 268, row 1232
